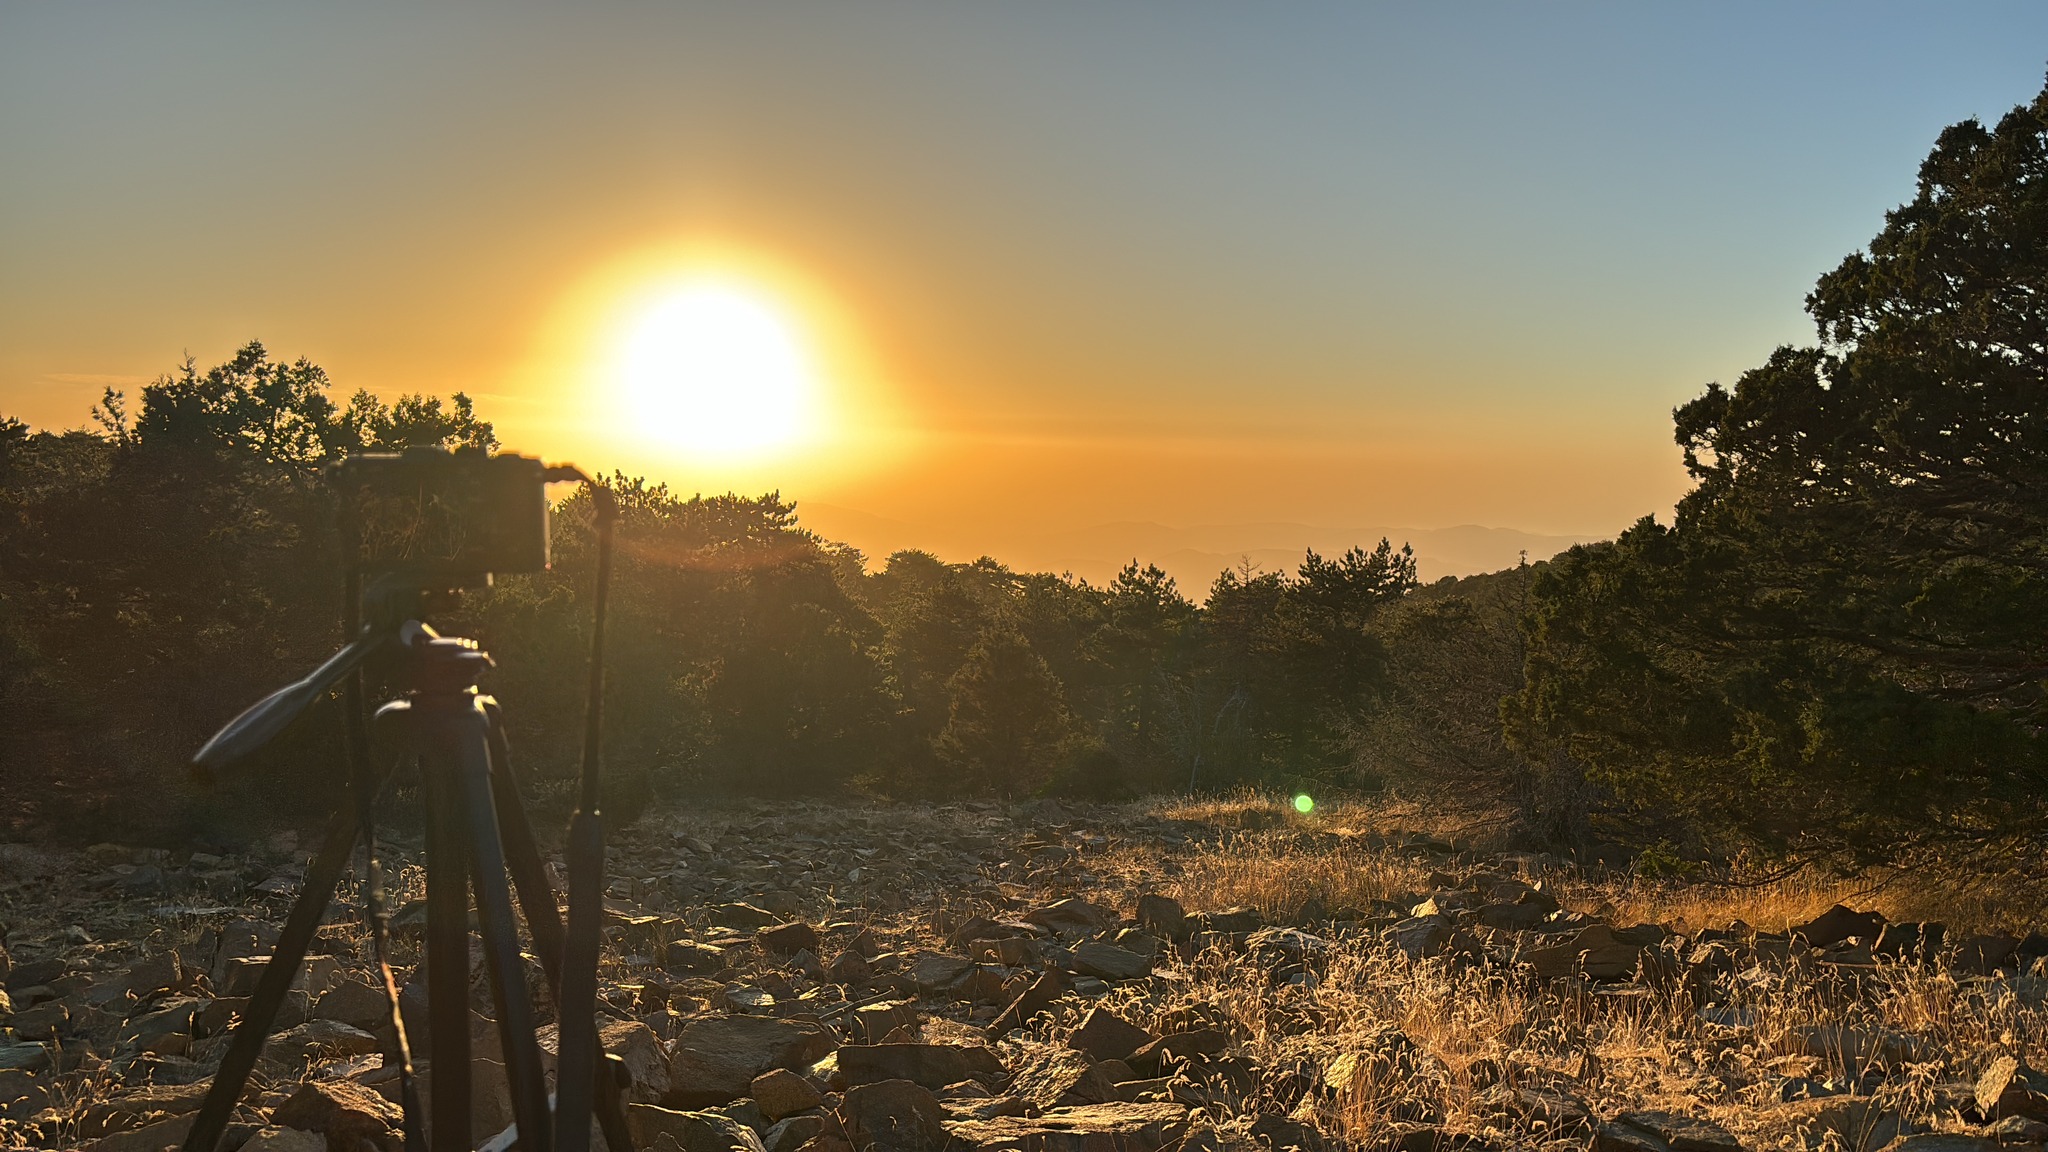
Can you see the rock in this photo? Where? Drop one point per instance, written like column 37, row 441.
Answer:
column 23, row 1057
column 1234, row 921
column 315, row 1038
column 2018, row 1130
column 35, row 973
column 1986, row 954
column 1041, row 995
column 1621, row 1136
column 354, row 1003
column 154, row 974
column 1072, row 917
column 1513, row 917
column 1179, row 1046
column 1060, row 1077
column 931, row 1065
column 788, row 939
column 277, row 1139
column 892, row 1116
column 793, row 1133
column 780, row 1092
column 138, row 1109
column 850, row 967
column 347, row 1113
column 1838, row 924
column 937, row 973
column 715, row 1060
column 152, row 1138
column 1104, row 1035
column 1109, row 962
column 655, row 1128
column 22, row 1093
column 42, row 1022
column 1281, row 1134
column 872, row 1022
column 1422, row 936
column 1162, row 915
column 1683, row 1133
column 743, row 917
column 692, row 958
column 1116, row 1127
column 2008, row 1087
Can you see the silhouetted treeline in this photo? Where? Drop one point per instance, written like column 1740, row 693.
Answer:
column 163, row 571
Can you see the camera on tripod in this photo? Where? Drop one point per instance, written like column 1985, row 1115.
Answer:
column 444, row 519
column 416, row 527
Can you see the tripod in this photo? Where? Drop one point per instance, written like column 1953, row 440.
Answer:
column 479, row 842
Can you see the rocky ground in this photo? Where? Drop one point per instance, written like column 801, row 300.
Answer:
column 1126, row 979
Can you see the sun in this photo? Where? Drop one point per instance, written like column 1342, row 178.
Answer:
column 719, row 370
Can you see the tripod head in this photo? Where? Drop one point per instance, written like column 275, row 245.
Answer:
column 392, row 607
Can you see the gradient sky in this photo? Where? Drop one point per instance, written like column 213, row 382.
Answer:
column 1064, row 264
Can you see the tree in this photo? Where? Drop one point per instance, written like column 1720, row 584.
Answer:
column 1841, row 643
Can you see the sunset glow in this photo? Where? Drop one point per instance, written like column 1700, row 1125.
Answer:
column 719, row 370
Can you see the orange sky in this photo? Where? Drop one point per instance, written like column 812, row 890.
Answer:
column 1341, row 268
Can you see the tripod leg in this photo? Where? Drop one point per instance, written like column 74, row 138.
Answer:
column 447, row 962
column 466, row 743
column 278, row 974
column 537, row 899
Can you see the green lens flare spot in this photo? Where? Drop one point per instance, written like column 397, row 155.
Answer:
column 1304, row 804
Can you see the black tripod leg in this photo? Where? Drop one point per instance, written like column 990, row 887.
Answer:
column 278, row 974
column 447, row 961
column 537, row 900
column 469, row 762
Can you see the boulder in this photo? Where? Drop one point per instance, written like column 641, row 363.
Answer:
column 1072, row 917
column 354, row 1003
column 1109, row 962
column 932, row 1065
column 1041, row 995
column 2008, row 1087
column 1422, row 936
column 656, row 1128
column 892, row 1116
column 780, row 1092
column 1060, row 1077
column 1681, row 1133
column 1838, row 924
column 345, row 1112
column 788, row 939
column 1162, row 916
column 715, row 1060
column 1104, row 1035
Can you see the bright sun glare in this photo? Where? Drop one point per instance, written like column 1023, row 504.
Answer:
column 719, row 370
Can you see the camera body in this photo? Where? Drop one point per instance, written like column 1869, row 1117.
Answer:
column 442, row 519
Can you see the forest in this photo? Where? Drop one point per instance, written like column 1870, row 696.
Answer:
column 1834, row 649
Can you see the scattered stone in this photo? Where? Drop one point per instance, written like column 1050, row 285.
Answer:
column 716, row 1060
column 893, row 1116
column 656, row 1128
column 345, row 1112
column 1104, row 1035
column 788, row 939
column 780, row 1092
column 1683, row 1133
column 1060, row 1077
column 931, row 1065
column 1109, row 962
column 1162, row 915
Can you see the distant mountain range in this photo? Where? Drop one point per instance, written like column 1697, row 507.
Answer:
column 1192, row 555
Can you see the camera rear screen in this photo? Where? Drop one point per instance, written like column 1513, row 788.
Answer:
column 442, row 515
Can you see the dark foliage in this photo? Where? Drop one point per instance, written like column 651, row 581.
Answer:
column 162, row 572
column 1840, row 645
